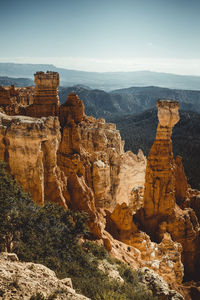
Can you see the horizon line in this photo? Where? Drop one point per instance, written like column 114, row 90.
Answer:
column 154, row 65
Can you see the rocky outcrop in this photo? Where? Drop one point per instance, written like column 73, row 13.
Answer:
column 46, row 100
column 20, row 280
column 14, row 100
column 72, row 111
column 159, row 194
column 165, row 180
column 93, row 149
column 4, row 96
column 158, row 286
column 29, row 147
column 130, row 189
column 164, row 258
column 181, row 184
column 92, row 158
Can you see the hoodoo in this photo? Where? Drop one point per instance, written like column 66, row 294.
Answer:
column 46, row 100
column 159, row 195
column 161, row 212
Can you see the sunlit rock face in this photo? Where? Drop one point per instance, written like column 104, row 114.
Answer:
column 72, row 111
column 46, row 100
column 164, row 258
column 29, row 147
column 159, row 195
column 93, row 149
column 168, row 116
column 46, row 88
column 165, row 187
column 181, row 182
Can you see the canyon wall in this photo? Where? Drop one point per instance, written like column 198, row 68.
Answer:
column 29, row 148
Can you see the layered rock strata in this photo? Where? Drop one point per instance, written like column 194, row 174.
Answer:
column 93, row 149
column 159, row 194
column 165, row 186
column 46, row 100
column 72, row 111
column 29, row 147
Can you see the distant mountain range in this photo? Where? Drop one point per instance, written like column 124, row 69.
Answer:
column 119, row 102
column 129, row 101
column 7, row 81
column 106, row 81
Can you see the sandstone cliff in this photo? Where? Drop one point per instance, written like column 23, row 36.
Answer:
column 29, row 147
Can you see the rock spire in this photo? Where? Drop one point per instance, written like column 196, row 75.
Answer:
column 46, row 100
column 159, row 192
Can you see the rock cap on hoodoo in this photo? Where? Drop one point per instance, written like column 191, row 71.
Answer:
column 168, row 116
column 167, row 103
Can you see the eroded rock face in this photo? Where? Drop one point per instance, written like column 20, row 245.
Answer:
column 159, row 195
column 181, row 184
column 94, row 149
column 165, row 180
column 46, row 100
column 4, row 96
column 20, row 280
column 159, row 287
column 29, row 147
column 72, row 111
column 14, row 100
column 164, row 258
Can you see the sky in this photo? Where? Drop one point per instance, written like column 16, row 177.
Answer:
column 103, row 35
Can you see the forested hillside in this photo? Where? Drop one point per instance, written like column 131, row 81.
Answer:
column 133, row 100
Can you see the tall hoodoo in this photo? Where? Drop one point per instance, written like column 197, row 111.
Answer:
column 160, row 213
column 46, row 87
column 46, row 100
column 159, row 192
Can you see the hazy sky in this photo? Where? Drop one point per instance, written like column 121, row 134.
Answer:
column 103, row 35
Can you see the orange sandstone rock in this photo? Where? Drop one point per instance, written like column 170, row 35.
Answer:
column 14, row 100
column 29, row 146
column 165, row 180
column 159, row 194
column 181, row 184
column 72, row 110
column 46, row 101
